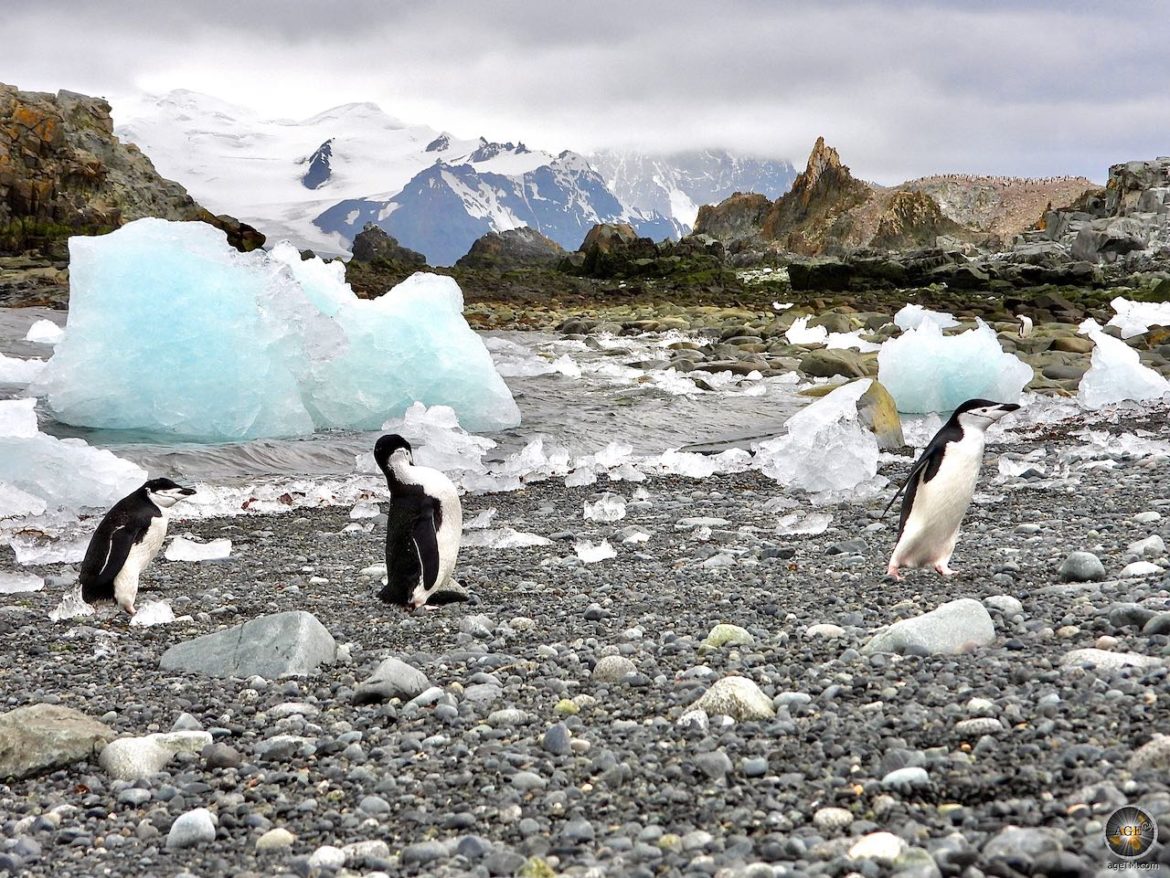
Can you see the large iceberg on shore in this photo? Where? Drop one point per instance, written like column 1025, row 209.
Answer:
column 172, row 331
column 1136, row 318
column 1116, row 372
column 926, row 371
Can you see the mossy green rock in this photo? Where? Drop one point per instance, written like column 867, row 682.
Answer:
column 537, row 868
column 727, row 635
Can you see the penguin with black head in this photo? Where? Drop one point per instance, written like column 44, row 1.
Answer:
column 423, row 528
column 126, row 541
column 940, row 487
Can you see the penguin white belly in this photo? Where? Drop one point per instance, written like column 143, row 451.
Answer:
column 940, row 505
column 141, row 554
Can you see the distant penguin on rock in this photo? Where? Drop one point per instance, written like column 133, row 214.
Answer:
column 940, row 486
column 423, row 528
column 126, row 541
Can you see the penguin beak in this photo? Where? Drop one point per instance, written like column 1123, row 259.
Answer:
column 186, row 492
column 1006, row 407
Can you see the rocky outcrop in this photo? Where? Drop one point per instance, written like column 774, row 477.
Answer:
column 514, row 248
column 614, row 250
column 1125, row 225
column 817, row 215
column 373, row 245
column 63, row 173
column 828, row 212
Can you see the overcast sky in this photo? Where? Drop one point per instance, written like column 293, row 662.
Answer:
column 902, row 89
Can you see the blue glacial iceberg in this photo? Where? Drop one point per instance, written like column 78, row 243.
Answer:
column 926, row 371
column 173, row 332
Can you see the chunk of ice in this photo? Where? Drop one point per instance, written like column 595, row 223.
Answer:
column 71, row 606
column 438, row 441
column 825, row 446
column 851, row 340
column 608, row 507
column 14, row 370
column 35, row 548
column 590, row 553
column 44, row 332
column 183, row 549
column 62, row 473
column 913, row 316
column 173, row 331
column 580, row 477
column 365, row 509
column 19, row 583
column 15, row 503
column 1116, row 372
column 482, row 520
column 797, row 523
column 1136, row 318
column 152, row 613
column 926, row 371
column 504, row 538
column 800, row 333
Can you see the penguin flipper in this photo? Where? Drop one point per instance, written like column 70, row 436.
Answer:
column 426, row 543
column 107, row 553
column 924, row 469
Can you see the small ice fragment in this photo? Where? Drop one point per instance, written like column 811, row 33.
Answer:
column 481, row 521
column 19, row 583
column 800, row 333
column 44, row 332
column 182, row 549
column 14, row 370
column 851, row 340
column 34, row 548
column 153, row 613
column 71, row 606
column 365, row 509
column 687, row 463
column 1116, row 372
column 915, row 316
column 609, row 507
column 811, row 524
column 635, row 534
column 781, row 306
column 504, row 538
column 590, row 553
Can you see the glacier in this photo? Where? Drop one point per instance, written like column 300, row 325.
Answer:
column 926, row 371
column 173, row 332
column 1116, row 372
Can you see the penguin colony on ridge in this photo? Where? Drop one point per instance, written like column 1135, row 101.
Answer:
column 425, row 523
column 126, row 541
column 940, row 486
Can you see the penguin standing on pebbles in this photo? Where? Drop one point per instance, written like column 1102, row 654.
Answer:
column 940, row 487
column 423, row 528
column 126, row 541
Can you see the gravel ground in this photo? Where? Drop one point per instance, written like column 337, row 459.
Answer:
column 530, row 764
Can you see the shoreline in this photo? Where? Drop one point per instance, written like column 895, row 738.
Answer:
column 634, row 792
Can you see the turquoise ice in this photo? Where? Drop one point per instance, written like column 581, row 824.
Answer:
column 173, row 332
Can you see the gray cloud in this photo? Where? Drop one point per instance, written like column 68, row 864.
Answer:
column 901, row 88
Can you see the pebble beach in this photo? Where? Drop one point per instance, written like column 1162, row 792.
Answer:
column 718, row 698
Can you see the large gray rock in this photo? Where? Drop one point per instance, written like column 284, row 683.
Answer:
column 1081, row 567
column 273, row 646
column 393, row 678
column 514, row 248
column 134, row 758
column 952, row 628
column 45, row 737
column 1104, row 240
column 736, row 697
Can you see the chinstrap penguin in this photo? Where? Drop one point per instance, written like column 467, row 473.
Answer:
column 423, row 528
column 127, row 539
column 940, row 486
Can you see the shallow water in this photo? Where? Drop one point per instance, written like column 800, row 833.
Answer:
column 610, row 400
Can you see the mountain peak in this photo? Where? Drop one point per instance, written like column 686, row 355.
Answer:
column 823, row 158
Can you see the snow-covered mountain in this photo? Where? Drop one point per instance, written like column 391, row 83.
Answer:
column 676, row 185
column 317, row 181
column 445, row 208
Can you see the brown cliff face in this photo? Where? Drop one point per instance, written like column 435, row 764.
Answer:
column 736, row 218
column 815, row 215
column 63, row 172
